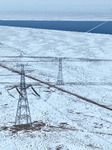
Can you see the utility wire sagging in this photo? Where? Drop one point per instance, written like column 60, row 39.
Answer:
column 58, row 88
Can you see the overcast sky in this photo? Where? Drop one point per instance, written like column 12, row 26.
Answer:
column 56, row 5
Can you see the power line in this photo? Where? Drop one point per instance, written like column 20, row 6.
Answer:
column 85, row 130
column 52, row 59
column 58, row 88
column 66, row 83
column 65, row 91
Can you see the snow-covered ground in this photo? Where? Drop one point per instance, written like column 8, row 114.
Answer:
column 86, row 126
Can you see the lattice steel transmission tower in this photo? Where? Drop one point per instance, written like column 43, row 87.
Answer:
column 60, row 73
column 23, row 112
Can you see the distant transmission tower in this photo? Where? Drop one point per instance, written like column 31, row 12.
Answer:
column 23, row 112
column 60, row 73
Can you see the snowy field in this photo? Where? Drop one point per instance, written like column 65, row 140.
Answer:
column 70, row 123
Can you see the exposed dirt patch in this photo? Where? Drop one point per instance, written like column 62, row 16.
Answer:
column 36, row 126
column 93, row 147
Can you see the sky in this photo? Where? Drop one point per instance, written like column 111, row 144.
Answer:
column 56, row 5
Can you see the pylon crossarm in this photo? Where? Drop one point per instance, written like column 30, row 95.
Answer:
column 9, row 93
column 27, row 86
column 35, row 91
column 19, row 92
column 12, row 88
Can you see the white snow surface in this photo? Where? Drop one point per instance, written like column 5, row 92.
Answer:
column 92, row 124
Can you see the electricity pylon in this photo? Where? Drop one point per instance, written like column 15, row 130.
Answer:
column 60, row 73
column 23, row 112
